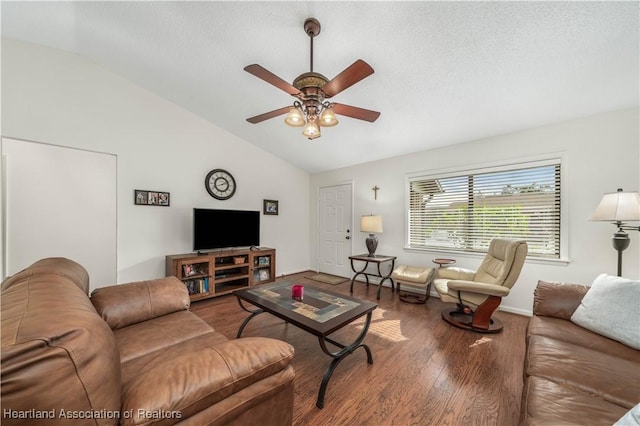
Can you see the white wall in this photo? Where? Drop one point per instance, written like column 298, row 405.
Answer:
column 64, row 205
column 54, row 97
column 601, row 152
column 58, row 98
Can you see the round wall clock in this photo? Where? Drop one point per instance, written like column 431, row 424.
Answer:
column 220, row 184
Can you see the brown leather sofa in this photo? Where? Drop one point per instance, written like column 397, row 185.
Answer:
column 130, row 354
column 573, row 376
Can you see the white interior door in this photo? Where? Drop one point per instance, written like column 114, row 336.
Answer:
column 335, row 229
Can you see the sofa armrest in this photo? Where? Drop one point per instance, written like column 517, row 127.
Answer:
column 557, row 300
column 125, row 304
column 199, row 379
column 476, row 287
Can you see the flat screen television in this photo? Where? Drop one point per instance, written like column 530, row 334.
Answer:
column 216, row 229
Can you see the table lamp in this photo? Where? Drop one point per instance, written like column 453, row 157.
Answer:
column 372, row 225
column 619, row 207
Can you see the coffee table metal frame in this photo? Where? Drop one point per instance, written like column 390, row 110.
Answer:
column 320, row 329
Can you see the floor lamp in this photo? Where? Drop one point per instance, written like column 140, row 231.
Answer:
column 619, row 207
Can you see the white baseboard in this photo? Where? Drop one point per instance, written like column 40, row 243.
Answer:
column 516, row 311
column 282, row 274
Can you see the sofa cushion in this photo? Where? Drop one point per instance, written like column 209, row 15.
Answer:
column 559, row 300
column 610, row 308
column 270, row 400
column 138, row 365
column 126, row 304
column 57, row 353
column 137, row 340
column 584, row 370
column 569, row 332
column 47, row 268
column 200, row 374
column 547, row 402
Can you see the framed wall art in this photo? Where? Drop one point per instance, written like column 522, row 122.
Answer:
column 151, row 198
column 270, row 207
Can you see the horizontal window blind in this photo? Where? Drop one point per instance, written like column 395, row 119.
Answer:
column 465, row 212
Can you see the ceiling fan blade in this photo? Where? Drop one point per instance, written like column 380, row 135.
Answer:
column 355, row 112
column 347, row 78
column 268, row 115
column 271, row 78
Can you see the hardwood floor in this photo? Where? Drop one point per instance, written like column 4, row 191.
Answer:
column 424, row 371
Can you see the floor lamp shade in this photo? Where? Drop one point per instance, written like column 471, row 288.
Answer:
column 619, row 207
column 371, row 225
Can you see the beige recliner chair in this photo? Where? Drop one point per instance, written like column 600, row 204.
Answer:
column 479, row 293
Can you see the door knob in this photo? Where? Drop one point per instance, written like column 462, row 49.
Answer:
column 347, row 237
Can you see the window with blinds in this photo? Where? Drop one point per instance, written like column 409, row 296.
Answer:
column 464, row 212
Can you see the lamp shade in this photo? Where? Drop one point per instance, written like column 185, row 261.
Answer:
column 311, row 130
column 328, row 118
column 371, row 224
column 618, row 206
column 294, row 118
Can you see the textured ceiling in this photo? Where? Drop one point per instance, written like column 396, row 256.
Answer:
column 445, row 72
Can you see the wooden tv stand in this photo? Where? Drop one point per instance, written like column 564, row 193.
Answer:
column 220, row 272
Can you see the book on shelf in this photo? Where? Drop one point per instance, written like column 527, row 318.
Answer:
column 197, row 286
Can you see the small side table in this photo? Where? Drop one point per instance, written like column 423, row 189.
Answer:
column 378, row 259
column 443, row 262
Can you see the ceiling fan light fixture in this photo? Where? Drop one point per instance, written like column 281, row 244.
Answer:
column 311, row 89
column 294, row 118
column 311, row 130
column 328, row 118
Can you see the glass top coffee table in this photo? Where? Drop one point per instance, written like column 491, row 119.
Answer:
column 321, row 312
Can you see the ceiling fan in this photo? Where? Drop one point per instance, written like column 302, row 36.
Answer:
column 312, row 110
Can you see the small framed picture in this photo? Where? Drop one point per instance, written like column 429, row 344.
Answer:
column 270, row 207
column 151, row 198
column 141, row 197
column 163, row 198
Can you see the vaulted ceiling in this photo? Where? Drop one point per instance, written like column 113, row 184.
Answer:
column 445, row 72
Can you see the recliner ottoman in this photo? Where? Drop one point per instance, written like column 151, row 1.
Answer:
column 414, row 277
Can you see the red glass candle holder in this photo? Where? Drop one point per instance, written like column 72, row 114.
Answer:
column 297, row 292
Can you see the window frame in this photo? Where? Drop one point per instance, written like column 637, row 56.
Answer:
column 507, row 165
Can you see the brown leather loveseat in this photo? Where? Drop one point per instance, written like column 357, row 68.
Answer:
column 573, row 376
column 130, row 354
